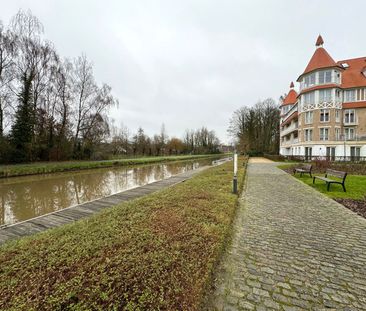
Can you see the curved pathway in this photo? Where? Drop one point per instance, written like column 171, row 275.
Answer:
column 293, row 249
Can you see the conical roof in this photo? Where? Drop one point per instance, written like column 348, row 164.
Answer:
column 291, row 97
column 320, row 59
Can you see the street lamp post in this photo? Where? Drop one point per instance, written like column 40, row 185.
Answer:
column 235, row 179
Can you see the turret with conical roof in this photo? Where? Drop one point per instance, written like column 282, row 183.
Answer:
column 320, row 59
column 291, row 97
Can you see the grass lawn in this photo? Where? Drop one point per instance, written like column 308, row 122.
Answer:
column 355, row 185
column 154, row 253
column 53, row 167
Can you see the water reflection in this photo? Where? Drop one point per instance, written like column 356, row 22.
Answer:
column 22, row 198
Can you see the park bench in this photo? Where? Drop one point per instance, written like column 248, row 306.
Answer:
column 338, row 174
column 305, row 169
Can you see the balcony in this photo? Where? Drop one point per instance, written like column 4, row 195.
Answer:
column 322, row 105
column 355, row 137
column 289, row 142
column 350, row 122
column 289, row 113
column 287, row 130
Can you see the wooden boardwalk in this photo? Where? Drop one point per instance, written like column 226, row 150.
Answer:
column 74, row 213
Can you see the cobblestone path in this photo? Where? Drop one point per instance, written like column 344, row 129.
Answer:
column 293, row 249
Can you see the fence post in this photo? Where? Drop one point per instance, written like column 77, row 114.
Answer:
column 235, row 179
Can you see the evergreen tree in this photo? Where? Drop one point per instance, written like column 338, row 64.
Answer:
column 22, row 129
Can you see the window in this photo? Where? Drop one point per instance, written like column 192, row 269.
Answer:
column 325, row 77
column 337, row 133
column 308, row 117
column 312, row 79
column 309, row 98
column 325, row 96
column 308, row 135
column 337, row 76
column 349, row 96
column 338, row 95
column 324, row 115
column 337, row 116
column 355, row 153
column 331, row 153
column 358, row 92
column 308, row 153
column 349, row 116
column 349, row 133
column 324, row 134
column 309, row 80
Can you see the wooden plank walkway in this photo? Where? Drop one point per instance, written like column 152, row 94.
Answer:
column 74, row 213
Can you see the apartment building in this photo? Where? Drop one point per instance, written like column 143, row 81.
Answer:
column 327, row 116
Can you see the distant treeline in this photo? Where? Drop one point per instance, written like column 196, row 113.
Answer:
column 52, row 108
column 256, row 129
column 194, row 142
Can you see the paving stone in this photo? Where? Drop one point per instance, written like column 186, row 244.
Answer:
column 246, row 305
column 293, row 249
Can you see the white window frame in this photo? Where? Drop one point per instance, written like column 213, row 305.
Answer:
column 324, row 133
column 309, row 117
column 356, row 153
column 323, row 75
column 347, row 133
column 337, row 133
column 330, row 152
column 349, row 96
column 323, row 114
column 308, row 134
column 325, row 95
column 309, row 98
column 347, row 116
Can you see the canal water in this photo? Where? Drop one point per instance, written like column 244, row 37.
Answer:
column 22, row 198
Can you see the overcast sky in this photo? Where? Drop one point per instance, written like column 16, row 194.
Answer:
column 191, row 63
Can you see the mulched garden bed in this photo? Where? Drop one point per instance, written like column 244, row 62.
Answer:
column 357, row 206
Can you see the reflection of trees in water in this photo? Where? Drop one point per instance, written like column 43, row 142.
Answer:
column 30, row 197
column 6, row 214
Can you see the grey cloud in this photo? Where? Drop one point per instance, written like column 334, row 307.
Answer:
column 192, row 63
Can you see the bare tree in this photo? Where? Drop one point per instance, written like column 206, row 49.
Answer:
column 91, row 102
column 7, row 66
column 256, row 129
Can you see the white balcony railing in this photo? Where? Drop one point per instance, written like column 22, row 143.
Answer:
column 352, row 137
column 289, row 113
column 350, row 122
column 287, row 130
column 289, row 142
column 321, row 105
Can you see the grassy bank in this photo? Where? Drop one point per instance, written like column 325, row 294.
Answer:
column 54, row 167
column 355, row 185
column 154, row 253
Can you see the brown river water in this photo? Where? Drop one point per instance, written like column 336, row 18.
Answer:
column 22, row 198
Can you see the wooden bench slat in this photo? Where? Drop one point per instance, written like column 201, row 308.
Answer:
column 329, row 172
